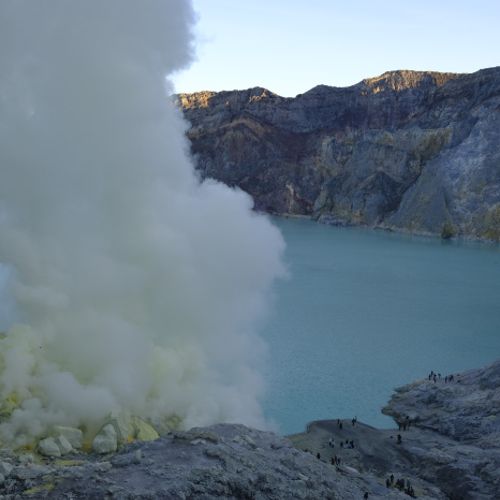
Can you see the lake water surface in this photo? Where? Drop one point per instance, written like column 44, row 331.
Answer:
column 366, row 311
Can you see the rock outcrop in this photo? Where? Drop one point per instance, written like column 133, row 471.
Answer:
column 410, row 151
column 448, row 448
column 458, row 430
column 449, row 444
column 221, row 461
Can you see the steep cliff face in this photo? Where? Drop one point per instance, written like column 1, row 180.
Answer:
column 412, row 151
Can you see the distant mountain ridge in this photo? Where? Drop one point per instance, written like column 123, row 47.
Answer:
column 408, row 150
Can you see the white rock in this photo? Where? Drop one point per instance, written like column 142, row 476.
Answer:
column 123, row 425
column 49, row 447
column 72, row 434
column 64, row 445
column 5, row 468
column 105, row 441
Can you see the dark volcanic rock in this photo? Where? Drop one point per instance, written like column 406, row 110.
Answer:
column 456, row 430
column 222, row 461
column 451, row 450
column 412, row 151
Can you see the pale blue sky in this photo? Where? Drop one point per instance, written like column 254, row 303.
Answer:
column 289, row 46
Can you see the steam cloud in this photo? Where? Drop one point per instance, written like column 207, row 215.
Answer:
column 135, row 286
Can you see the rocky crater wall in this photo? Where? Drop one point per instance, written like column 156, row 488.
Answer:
column 409, row 151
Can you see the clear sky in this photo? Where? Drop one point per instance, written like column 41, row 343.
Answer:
column 289, row 46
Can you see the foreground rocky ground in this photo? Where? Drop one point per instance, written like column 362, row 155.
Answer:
column 408, row 150
column 222, row 461
column 449, row 447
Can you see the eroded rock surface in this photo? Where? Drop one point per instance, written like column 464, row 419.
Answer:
column 412, row 151
column 458, row 430
column 450, row 437
column 450, row 450
column 221, row 461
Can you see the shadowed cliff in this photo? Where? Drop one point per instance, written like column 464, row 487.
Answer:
column 411, row 151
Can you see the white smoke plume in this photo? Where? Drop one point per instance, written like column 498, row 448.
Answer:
column 136, row 287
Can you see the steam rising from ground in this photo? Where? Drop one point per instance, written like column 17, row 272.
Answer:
column 136, row 287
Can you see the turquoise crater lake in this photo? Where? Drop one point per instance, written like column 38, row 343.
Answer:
column 366, row 311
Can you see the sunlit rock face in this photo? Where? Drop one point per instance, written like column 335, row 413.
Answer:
column 412, row 151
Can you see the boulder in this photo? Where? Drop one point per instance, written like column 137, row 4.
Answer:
column 49, row 448
column 5, row 468
column 64, row 445
column 72, row 434
column 144, row 431
column 122, row 423
column 128, row 428
column 106, row 440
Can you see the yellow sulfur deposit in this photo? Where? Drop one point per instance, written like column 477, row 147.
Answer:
column 144, row 431
column 8, row 405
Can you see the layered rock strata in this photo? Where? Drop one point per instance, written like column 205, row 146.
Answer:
column 410, row 151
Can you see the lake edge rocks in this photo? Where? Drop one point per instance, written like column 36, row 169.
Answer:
column 449, row 448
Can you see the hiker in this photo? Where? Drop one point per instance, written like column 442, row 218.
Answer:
column 318, row 456
column 400, row 440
